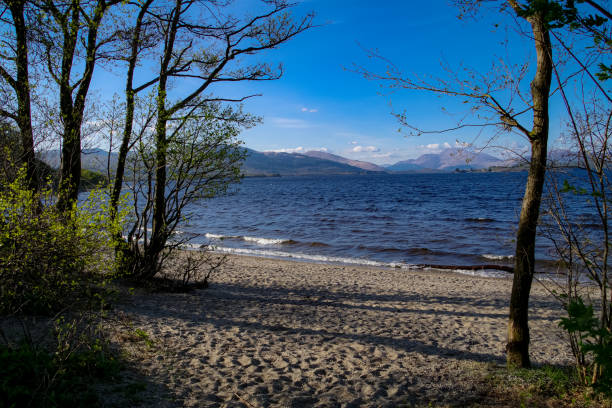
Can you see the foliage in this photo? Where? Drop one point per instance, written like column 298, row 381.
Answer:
column 594, row 342
column 91, row 179
column 11, row 158
column 203, row 158
column 51, row 260
column 34, row 377
column 542, row 386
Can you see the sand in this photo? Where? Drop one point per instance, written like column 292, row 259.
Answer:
column 279, row 333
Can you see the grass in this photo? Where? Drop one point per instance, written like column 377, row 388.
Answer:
column 34, row 377
column 542, row 386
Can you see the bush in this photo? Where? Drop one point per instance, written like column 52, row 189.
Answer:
column 50, row 260
column 594, row 345
column 33, row 377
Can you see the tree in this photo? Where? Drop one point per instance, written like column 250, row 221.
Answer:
column 200, row 43
column 138, row 41
column 67, row 32
column 486, row 94
column 16, row 75
column 203, row 158
column 493, row 102
column 583, row 245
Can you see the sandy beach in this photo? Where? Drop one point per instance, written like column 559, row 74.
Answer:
column 279, row 333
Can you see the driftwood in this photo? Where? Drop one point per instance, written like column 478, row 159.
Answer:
column 504, row 268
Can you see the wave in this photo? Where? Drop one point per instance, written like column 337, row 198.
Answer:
column 309, row 257
column 266, row 241
column 256, row 240
column 498, row 257
column 349, row 261
column 479, row 219
column 193, row 246
column 216, row 236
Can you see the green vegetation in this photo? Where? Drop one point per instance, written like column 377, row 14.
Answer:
column 32, row 376
column 91, row 179
column 543, row 386
column 50, row 260
column 55, row 264
column 593, row 348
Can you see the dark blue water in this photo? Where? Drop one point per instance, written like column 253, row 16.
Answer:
column 394, row 220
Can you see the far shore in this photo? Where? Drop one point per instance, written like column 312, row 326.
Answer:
column 271, row 332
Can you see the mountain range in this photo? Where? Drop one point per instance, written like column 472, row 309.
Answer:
column 319, row 163
column 449, row 160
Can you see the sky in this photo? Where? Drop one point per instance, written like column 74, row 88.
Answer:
column 321, row 103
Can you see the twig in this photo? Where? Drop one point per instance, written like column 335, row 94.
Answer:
column 244, row 401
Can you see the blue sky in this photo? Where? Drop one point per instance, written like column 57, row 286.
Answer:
column 320, row 103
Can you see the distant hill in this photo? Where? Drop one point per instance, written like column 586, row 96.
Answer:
column 256, row 164
column 448, row 160
column 91, row 159
column 294, row 164
column 339, row 159
column 322, row 163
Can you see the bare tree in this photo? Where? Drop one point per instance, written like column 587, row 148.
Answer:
column 205, row 46
column 488, row 95
column 202, row 159
column 139, row 39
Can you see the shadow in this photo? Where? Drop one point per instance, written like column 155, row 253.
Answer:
column 227, row 306
column 404, row 344
column 322, row 297
column 434, row 337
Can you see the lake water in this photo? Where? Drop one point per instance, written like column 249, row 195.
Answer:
column 383, row 220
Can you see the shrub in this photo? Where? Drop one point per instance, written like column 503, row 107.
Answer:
column 594, row 345
column 51, row 260
column 34, row 377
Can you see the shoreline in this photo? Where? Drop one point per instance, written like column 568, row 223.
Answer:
column 284, row 333
column 350, row 262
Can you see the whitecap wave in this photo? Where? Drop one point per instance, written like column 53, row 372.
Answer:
column 192, row 246
column 498, row 257
column 265, row 241
column 215, row 236
column 257, row 240
column 309, row 257
column 348, row 261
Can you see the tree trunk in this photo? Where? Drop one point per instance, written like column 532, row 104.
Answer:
column 72, row 111
column 129, row 111
column 70, row 169
column 518, row 328
column 159, row 227
column 158, row 231
column 22, row 89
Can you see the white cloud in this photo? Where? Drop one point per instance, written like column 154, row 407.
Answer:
column 289, row 123
column 354, row 142
column 299, row 149
column 309, row 110
column 361, row 149
column 383, row 155
column 437, row 146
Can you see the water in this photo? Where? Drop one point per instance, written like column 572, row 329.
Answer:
column 384, row 220
column 381, row 220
